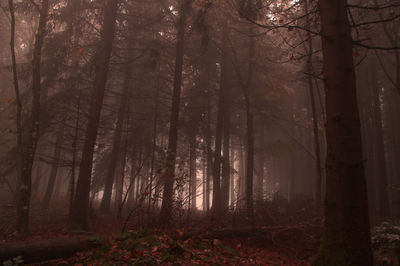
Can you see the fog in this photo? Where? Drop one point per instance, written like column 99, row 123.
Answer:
column 229, row 114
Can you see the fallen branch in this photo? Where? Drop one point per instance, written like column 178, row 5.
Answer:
column 45, row 250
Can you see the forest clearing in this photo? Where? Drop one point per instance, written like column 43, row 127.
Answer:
column 200, row 132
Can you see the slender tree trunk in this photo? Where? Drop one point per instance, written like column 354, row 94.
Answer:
column 204, row 170
column 193, row 170
column 259, row 165
column 241, row 183
column 78, row 218
column 208, row 151
column 15, row 80
column 232, row 177
column 153, row 148
column 74, row 154
column 250, row 129
column 17, row 94
column 216, row 200
column 31, row 134
column 106, row 200
column 168, row 178
column 314, row 116
column 346, row 236
column 226, row 86
column 131, row 190
column 381, row 175
column 54, row 169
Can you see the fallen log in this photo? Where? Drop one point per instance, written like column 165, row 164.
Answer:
column 37, row 251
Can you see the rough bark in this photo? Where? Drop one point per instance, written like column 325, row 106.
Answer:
column 346, row 235
column 78, row 217
column 168, row 178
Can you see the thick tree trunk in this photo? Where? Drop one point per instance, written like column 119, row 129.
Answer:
column 78, row 217
column 31, row 134
column 168, row 178
column 346, row 236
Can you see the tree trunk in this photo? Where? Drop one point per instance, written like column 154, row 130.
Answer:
column 192, row 170
column 381, row 175
column 346, row 236
column 168, row 178
column 74, row 155
column 216, row 200
column 30, row 135
column 154, row 142
column 208, row 151
column 54, row 169
column 78, row 218
column 106, row 200
column 250, row 129
column 232, row 179
column 226, row 86
column 259, row 165
column 314, row 116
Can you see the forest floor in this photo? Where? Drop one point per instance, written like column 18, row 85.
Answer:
column 199, row 244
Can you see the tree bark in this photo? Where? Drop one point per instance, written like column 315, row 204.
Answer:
column 192, row 169
column 216, row 200
column 226, row 71
column 168, row 178
column 346, row 236
column 54, row 169
column 105, row 205
column 381, row 174
column 250, row 129
column 78, row 218
column 310, row 71
column 31, row 134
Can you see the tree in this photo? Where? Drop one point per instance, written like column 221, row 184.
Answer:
column 106, row 200
column 346, row 235
column 80, row 207
column 168, row 177
column 28, row 137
